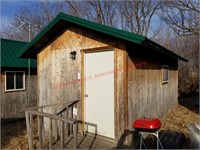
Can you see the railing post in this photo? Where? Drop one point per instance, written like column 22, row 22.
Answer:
column 40, row 110
column 62, row 135
column 67, row 124
column 29, row 130
column 71, row 125
column 75, row 135
column 50, row 133
column 55, row 124
column 71, row 117
column 40, row 132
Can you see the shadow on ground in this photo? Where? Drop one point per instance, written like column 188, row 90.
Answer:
column 121, row 144
column 167, row 141
column 150, row 141
column 190, row 102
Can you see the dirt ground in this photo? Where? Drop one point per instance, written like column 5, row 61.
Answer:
column 14, row 135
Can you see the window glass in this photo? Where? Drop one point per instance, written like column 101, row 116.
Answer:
column 9, row 80
column 14, row 80
column 19, row 80
column 165, row 73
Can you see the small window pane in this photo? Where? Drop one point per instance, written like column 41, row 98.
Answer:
column 19, row 80
column 165, row 74
column 9, row 80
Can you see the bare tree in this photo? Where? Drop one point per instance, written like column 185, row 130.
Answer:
column 100, row 11
column 35, row 18
column 188, row 72
column 42, row 12
column 182, row 16
column 134, row 16
column 137, row 15
column 188, row 47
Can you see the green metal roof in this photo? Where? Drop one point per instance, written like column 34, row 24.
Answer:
column 59, row 24
column 9, row 51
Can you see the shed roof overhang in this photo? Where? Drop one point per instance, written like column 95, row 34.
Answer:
column 60, row 23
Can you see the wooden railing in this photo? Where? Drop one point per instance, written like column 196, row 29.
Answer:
column 65, row 116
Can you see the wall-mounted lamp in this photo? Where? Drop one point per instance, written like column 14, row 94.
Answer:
column 72, row 55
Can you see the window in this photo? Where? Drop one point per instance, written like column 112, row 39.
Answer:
column 165, row 74
column 14, row 80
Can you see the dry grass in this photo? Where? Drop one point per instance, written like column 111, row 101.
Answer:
column 185, row 114
column 180, row 119
column 14, row 135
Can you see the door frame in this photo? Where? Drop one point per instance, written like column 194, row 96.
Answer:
column 83, row 52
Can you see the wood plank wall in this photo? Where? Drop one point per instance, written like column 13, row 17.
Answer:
column 147, row 96
column 12, row 102
column 57, row 73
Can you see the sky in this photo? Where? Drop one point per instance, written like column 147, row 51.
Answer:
column 9, row 8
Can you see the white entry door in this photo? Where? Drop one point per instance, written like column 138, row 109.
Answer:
column 99, row 93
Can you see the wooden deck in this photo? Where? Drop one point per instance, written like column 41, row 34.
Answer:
column 87, row 141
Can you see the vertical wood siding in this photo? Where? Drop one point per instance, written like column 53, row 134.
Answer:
column 57, row 73
column 12, row 102
column 138, row 90
column 147, row 96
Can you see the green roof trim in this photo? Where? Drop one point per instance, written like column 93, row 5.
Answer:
column 9, row 51
column 59, row 24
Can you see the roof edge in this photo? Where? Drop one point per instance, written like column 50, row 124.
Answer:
column 163, row 50
column 85, row 23
column 95, row 26
column 39, row 35
column 121, row 34
column 14, row 40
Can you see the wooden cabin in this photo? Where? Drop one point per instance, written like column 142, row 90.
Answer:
column 17, row 90
column 117, row 76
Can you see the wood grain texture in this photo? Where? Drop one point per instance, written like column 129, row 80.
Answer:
column 115, row 95
column 58, row 73
column 147, row 97
column 138, row 91
column 29, row 130
column 50, row 133
column 88, row 141
column 125, row 84
column 13, row 101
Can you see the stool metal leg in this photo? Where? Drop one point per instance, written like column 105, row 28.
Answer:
column 141, row 140
column 158, row 142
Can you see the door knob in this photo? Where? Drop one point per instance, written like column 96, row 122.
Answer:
column 86, row 95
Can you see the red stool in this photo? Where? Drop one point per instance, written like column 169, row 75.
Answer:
column 149, row 126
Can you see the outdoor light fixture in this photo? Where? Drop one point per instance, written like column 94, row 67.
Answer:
column 72, row 55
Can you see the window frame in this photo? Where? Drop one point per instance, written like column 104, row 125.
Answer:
column 10, row 90
column 164, row 67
